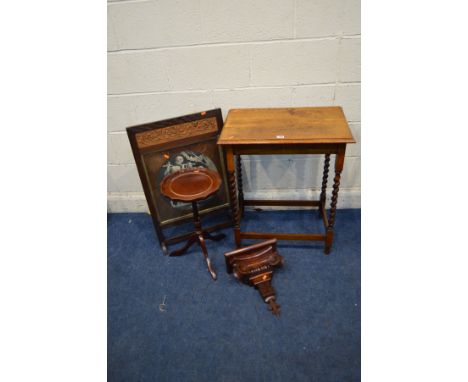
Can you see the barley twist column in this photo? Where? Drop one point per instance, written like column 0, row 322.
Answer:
column 323, row 194
column 234, row 206
column 233, row 194
column 339, row 162
column 334, row 200
column 239, row 183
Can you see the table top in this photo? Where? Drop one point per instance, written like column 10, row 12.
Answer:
column 190, row 185
column 302, row 125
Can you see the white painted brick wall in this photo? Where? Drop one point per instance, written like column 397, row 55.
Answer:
column 169, row 58
column 349, row 60
column 319, row 18
column 294, row 62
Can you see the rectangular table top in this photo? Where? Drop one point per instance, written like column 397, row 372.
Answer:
column 302, row 125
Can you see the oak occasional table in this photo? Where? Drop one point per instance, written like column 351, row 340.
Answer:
column 306, row 130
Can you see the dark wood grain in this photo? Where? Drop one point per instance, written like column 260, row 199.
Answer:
column 254, row 266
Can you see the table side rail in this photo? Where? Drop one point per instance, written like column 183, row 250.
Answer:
column 268, row 202
column 286, row 149
column 283, row 236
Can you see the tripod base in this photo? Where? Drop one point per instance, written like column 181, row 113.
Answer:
column 200, row 238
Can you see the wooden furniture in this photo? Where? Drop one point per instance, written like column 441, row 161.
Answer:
column 163, row 147
column 306, row 130
column 254, row 265
column 193, row 185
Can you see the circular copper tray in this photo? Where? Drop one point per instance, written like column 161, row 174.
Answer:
column 191, row 185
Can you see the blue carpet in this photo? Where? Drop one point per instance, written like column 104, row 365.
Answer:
column 222, row 330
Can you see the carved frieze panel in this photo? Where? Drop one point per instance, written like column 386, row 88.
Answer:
column 175, row 132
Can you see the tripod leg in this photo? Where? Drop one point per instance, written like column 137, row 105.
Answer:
column 209, row 236
column 184, row 249
column 201, row 241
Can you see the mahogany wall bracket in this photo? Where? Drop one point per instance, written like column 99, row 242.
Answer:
column 254, row 265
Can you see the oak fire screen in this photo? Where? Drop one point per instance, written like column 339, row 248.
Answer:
column 163, row 147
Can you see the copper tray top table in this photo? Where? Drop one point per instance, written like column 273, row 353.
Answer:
column 193, row 185
column 304, row 130
column 190, row 185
